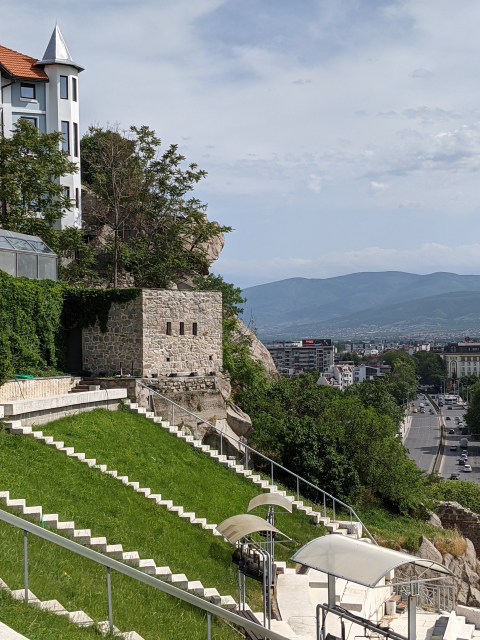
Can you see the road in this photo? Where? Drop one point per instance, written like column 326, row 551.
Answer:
column 423, row 438
column 450, row 458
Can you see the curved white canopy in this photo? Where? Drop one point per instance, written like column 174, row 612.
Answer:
column 357, row 561
column 237, row 527
column 270, row 499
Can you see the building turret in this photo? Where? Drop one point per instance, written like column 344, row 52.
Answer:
column 63, row 114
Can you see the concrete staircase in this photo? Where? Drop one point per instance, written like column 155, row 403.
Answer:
column 80, row 618
column 340, row 527
column 349, row 529
column 84, row 536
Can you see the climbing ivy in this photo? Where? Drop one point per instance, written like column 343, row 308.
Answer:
column 36, row 315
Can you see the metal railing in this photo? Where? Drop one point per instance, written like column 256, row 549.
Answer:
column 249, row 451
column 438, row 597
column 115, row 565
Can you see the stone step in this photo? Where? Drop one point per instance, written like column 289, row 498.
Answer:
column 196, row 587
column 180, row 580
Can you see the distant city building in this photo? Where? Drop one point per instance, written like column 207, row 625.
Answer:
column 309, row 354
column 45, row 93
column 462, row 358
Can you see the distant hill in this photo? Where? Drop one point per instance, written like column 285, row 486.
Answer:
column 454, row 311
column 295, row 305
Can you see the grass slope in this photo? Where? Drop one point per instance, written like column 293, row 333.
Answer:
column 146, row 453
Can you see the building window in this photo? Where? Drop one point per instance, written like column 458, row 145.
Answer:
column 75, row 139
column 194, row 329
column 67, row 192
column 27, row 91
column 66, row 136
column 64, row 87
column 182, row 328
column 169, row 328
column 77, row 198
column 30, row 120
column 74, row 89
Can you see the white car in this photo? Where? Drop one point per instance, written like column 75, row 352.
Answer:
column 467, row 468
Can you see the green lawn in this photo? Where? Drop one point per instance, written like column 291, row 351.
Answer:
column 146, row 453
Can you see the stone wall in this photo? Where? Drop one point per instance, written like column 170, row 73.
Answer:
column 138, row 340
column 20, row 389
column 452, row 515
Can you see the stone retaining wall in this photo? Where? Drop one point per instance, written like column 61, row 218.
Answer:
column 452, row 515
column 22, row 389
column 160, row 332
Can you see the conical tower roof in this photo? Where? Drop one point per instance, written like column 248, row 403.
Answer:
column 57, row 51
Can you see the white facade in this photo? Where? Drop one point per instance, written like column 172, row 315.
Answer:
column 52, row 105
column 343, row 374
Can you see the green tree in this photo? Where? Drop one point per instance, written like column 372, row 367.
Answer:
column 472, row 415
column 430, row 367
column 402, row 381
column 374, row 394
column 154, row 228
column 33, row 200
column 350, row 357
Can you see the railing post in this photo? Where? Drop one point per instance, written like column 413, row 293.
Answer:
column 221, row 444
column 333, row 510
column 324, row 505
column 298, row 489
column 109, row 597
column 196, row 429
column 209, row 626
column 246, row 458
column 271, row 470
column 25, row 565
column 173, row 415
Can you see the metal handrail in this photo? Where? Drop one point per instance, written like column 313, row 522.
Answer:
column 272, row 462
column 151, row 581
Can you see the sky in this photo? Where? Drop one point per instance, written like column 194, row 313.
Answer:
column 338, row 135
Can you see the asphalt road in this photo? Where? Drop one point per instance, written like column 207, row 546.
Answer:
column 450, row 458
column 423, row 438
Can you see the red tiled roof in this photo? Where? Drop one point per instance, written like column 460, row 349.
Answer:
column 20, row 65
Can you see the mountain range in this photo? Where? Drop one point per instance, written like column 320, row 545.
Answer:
column 385, row 302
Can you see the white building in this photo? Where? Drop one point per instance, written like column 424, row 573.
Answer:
column 46, row 93
column 342, row 373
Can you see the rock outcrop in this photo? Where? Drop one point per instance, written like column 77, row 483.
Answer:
column 453, row 515
column 238, row 421
column 258, row 350
column 464, row 566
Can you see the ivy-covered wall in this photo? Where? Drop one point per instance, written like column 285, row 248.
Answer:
column 36, row 315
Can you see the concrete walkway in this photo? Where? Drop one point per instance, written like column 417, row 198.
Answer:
column 9, row 634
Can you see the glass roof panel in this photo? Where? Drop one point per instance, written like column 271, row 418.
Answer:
column 4, row 243
column 22, row 245
column 40, row 246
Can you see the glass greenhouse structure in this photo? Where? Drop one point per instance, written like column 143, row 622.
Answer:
column 28, row 256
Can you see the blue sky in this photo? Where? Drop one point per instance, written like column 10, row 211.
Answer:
column 339, row 135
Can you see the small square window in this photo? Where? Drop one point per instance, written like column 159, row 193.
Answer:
column 169, row 328
column 64, row 87
column 194, row 329
column 74, row 89
column 67, row 192
column 27, row 91
column 182, row 328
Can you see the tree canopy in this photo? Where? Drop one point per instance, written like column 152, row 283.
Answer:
column 151, row 224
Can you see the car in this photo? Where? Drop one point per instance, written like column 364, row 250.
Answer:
column 453, row 447
column 454, row 476
column 450, row 408
column 440, row 404
column 467, row 468
column 451, row 431
column 413, row 404
column 448, row 418
column 414, row 410
column 461, row 461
